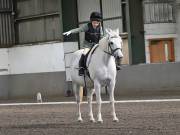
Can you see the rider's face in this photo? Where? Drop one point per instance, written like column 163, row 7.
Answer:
column 95, row 24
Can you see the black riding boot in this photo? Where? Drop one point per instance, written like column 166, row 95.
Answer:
column 81, row 65
column 118, row 67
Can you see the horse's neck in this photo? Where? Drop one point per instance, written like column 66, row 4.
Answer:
column 103, row 44
column 103, row 48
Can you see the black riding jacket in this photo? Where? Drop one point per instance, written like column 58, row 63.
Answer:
column 92, row 35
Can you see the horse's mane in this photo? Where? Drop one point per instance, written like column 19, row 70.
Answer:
column 103, row 42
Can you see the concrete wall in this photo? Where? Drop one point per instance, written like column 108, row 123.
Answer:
column 4, row 86
column 42, row 69
column 4, row 61
column 25, row 86
column 69, row 48
column 37, row 58
column 149, row 79
column 26, row 70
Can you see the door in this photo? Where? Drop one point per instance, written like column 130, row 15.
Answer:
column 161, row 51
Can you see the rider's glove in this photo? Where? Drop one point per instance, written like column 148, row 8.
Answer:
column 67, row 33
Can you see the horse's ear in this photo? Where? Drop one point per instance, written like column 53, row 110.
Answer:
column 108, row 31
column 117, row 31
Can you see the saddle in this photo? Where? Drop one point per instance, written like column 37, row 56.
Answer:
column 82, row 62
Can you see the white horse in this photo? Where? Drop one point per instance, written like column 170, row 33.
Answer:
column 101, row 63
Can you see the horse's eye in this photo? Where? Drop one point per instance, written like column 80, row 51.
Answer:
column 110, row 43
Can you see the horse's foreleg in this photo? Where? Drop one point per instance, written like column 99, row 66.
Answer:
column 79, row 111
column 90, row 96
column 98, row 99
column 78, row 100
column 111, row 95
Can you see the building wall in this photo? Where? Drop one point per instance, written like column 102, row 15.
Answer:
column 160, row 31
column 25, row 70
column 160, row 28
column 133, row 80
column 161, row 22
column 38, row 21
column 4, row 86
column 125, row 51
column 36, row 59
column 4, row 61
column 148, row 79
column 177, row 41
column 50, row 84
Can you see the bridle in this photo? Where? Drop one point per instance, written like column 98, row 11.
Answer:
column 111, row 51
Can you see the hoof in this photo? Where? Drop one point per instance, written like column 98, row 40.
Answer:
column 80, row 120
column 116, row 120
column 92, row 120
column 100, row 121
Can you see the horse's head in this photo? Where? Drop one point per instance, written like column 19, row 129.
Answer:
column 114, row 45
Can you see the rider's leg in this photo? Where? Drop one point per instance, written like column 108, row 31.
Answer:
column 81, row 65
column 118, row 67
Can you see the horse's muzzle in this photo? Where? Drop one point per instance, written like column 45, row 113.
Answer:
column 118, row 60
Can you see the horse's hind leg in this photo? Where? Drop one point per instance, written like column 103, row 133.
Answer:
column 90, row 96
column 78, row 100
column 111, row 95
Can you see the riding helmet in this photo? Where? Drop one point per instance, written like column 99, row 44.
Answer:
column 96, row 16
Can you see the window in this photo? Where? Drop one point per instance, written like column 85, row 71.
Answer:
column 158, row 11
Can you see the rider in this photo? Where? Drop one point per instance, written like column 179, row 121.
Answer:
column 93, row 33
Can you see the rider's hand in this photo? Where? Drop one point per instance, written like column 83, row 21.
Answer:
column 67, row 33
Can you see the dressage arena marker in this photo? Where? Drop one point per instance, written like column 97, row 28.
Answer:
column 104, row 102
